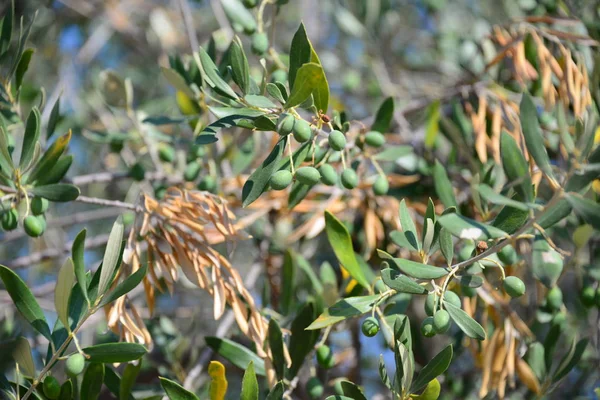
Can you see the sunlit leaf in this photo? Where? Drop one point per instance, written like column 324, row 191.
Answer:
column 467, row 324
column 62, row 291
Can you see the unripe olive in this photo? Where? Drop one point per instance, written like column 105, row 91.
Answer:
column 137, row 172
column 508, row 255
column 166, row 153
column 308, row 175
column 381, row 186
column 160, row 191
column 281, row 179
column 302, row 131
column 370, row 327
column 208, row 183
column 337, row 140
column 196, row 151
column 441, row 321
column 39, row 205
column 374, row 139
column 260, row 43
column 328, row 174
column 191, row 171
column 75, row 364
column 325, row 357
column 427, row 328
column 468, row 291
column 587, row 296
column 116, row 145
column 559, row 318
column 279, row 75
column 449, row 297
column 285, row 124
column 10, row 219
column 33, row 225
column 51, row 387
column 315, row 388
column 554, row 298
column 349, row 178
column 250, row 3
column 514, row 286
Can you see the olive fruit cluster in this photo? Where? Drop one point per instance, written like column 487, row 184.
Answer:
column 34, row 224
column 438, row 321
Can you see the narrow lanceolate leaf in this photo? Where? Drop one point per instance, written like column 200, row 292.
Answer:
column 239, row 66
column 437, row 366
column 50, row 157
column 408, row 226
column 467, row 324
column 418, row 270
column 249, row 384
column 7, row 27
column 53, row 119
column 277, row 348
column 177, row 81
column 259, row 179
column 237, row 354
column 351, row 390
column 446, row 245
column 384, row 116
column 547, row 264
column 301, row 52
column 24, row 301
column 22, row 355
column 535, row 357
column 276, row 392
column 588, row 210
column 303, row 340
column 31, row 138
column 57, row 192
column 111, row 260
column 62, row 291
column 213, row 77
column 126, row 286
column 340, row 241
column 570, row 360
column 533, row 135
column 402, row 283
column 218, row 382
column 309, row 80
column 443, row 186
column 344, row 309
column 466, row 228
column 496, row 198
column 92, row 381
column 515, row 166
column 78, row 254
column 115, row 352
column 175, row 391
column 130, row 374
column 22, row 67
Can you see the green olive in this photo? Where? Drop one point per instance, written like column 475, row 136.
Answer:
column 374, row 139
column 260, row 43
column 325, row 357
column 281, row 179
column 328, row 174
column 195, row 152
column 337, row 140
column 279, row 75
column 302, row 131
column 34, row 226
column 370, row 327
column 166, row 153
column 587, row 296
column 441, row 321
column 381, row 186
column 137, row 172
column 39, row 205
column 449, row 297
column 75, row 364
column 315, row 388
column 51, row 387
column 349, row 178
column 508, row 255
column 116, row 145
column 554, row 298
column 191, row 172
column 427, row 328
column 10, row 219
column 308, row 175
column 285, row 125
column 208, row 183
column 514, row 286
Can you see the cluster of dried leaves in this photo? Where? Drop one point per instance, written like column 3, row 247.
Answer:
column 530, row 53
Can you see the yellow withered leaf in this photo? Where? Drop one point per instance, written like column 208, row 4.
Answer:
column 218, row 382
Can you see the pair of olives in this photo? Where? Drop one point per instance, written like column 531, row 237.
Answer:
column 34, row 224
column 298, row 127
